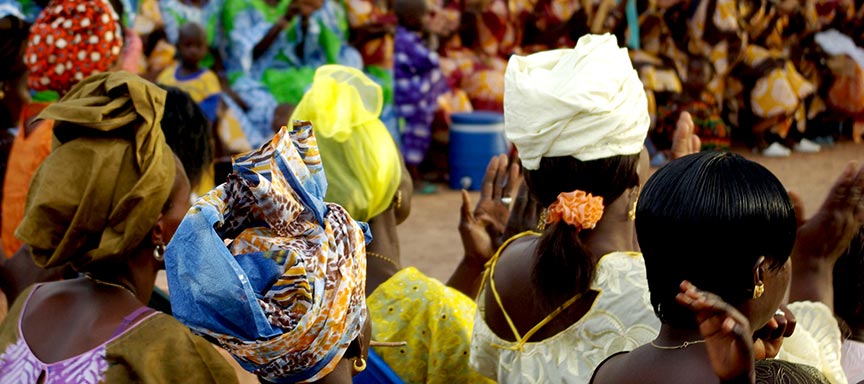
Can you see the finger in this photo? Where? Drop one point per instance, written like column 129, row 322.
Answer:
column 791, row 321
column 500, row 177
column 696, row 143
column 467, row 216
column 514, row 179
column 489, row 179
column 798, row 204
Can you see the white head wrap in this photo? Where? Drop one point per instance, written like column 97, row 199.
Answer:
column 585, row 102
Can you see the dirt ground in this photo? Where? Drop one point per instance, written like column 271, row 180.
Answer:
column 430, row 241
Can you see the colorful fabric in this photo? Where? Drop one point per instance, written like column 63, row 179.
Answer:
column 114, row 188
column 593, row 104
column 363, row 13
column 710, row 127
column 203, row 87
column 419, row 83
column 620, row 319
column 362, row 161
column 286, row 297
column 287, row 67
column 134, row 354
column 477, row 66
column 70, row 41
column 27, row 153
column 434, row 319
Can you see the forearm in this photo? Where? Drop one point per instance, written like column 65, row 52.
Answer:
column 812, row 280
column 467, row 277
column 270, row 37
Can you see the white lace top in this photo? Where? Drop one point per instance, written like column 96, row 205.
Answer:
column 816, row 340
column 621, row 319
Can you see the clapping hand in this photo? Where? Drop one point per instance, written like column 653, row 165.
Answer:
column 726, row 333
column 481, row 229
column 684, row 140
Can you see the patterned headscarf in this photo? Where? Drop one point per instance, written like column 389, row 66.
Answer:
column 109, row 174
column 70, row 41
column 286, row 296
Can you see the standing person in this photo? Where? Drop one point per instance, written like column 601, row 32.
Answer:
column 365, row 175
column 753, row 275
column 14, row 94
column 201, row 83
column 90, row 41
column 419, row 82
column 121, row 200
column 584, row 275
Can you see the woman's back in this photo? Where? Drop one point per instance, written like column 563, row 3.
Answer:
column 614, row 315
column 95, row 344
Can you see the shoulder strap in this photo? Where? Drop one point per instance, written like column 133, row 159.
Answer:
column 129, row 318
column 490, row 275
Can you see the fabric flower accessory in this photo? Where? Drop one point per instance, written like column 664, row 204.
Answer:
column 578, row 208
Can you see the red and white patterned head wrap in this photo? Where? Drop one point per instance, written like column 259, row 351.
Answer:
column 70, row 41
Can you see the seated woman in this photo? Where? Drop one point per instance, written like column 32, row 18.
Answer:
column 685, row 206
column 365, row 175
column 585, row 278
column 104, row 202
column 274, row 47
column 286, row 296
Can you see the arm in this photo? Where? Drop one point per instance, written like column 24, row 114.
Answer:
column 274, row 32
column 822, row 239
column 481, row 229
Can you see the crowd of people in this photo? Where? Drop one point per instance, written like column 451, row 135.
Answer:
column 264, row 153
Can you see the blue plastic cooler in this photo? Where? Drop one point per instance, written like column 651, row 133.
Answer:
column 475, row 137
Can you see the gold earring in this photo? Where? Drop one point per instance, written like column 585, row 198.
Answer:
column 632, row 213
column 541, row 224
column 398, row 199
column 758, row 290
column 359, row 367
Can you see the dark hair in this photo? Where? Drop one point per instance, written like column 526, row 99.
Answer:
column 188, row 132
column 564, row 266
column 410, row 13
column 707, row 218
column 849, row 284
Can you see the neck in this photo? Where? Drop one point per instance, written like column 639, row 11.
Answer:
column 673, row 337
column 615, row 231
column 340, row 375
column 188, row 69
column 384, row 243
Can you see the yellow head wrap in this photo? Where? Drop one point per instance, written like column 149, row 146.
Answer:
column 361, row 160
column 108, row 177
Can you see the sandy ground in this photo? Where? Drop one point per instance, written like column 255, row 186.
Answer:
column 430, row 241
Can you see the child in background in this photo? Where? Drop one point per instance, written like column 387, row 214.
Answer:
column 701, row 104
column 201, row 83
column 418, row 82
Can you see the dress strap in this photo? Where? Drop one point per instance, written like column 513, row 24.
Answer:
column 490, row 270
column 490, row 275
column 128, row 320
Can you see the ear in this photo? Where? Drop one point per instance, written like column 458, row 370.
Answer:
column 157, row 233
column 759, row 270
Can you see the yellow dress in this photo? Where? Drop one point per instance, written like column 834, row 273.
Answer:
column 434, row 319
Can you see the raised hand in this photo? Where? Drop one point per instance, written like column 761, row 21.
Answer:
column 726, row 332
column 684, row 140
column 481, row 229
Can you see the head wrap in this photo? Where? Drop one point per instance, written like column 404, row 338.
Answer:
column 102, row 188
column 70, row 41
column 585, row 102
column 286, row 297
column 363, row 164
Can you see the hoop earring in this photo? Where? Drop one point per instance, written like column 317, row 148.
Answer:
column 758, row 290
column 159, row 252
column 359, row 367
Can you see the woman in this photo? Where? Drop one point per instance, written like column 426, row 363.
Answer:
column 122, row 199
column 366, row 176
column 576, row 291
column 57, row 59
column 752, row 274
column 286, row 295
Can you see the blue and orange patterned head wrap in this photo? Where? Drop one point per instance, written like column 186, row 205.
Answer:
column 286, row 295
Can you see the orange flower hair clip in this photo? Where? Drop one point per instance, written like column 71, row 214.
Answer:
column 577, row 208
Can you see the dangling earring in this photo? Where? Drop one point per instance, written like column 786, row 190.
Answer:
column 758, row 290
column 159, row 252
column 632, row 213
column 359, row 367
column 399, row 199
column 541, row 224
